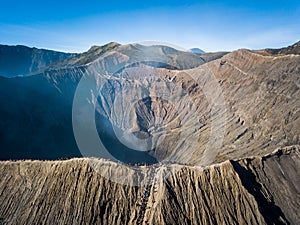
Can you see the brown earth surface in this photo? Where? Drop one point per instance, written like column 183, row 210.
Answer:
column 254, row 190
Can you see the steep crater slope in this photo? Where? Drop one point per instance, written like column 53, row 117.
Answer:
column 39, row 112
column 260, row 109
column 155, row 110
column 262, row 95
column 169, row 111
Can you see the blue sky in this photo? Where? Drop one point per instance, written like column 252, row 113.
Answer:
column 210, row 25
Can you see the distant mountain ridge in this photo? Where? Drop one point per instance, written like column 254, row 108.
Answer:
column 197, row 50
column 292, row 49
column 22, row 60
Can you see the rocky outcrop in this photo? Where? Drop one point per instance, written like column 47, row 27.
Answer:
column 256, row 190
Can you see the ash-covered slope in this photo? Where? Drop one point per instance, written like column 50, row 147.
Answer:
column 257, row 190
column 22, row 60
column 260, row 106
column 262, row 97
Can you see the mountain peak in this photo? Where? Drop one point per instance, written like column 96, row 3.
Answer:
column 197, row 50
column 106, row 46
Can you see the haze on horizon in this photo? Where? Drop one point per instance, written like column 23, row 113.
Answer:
column 211, row 26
